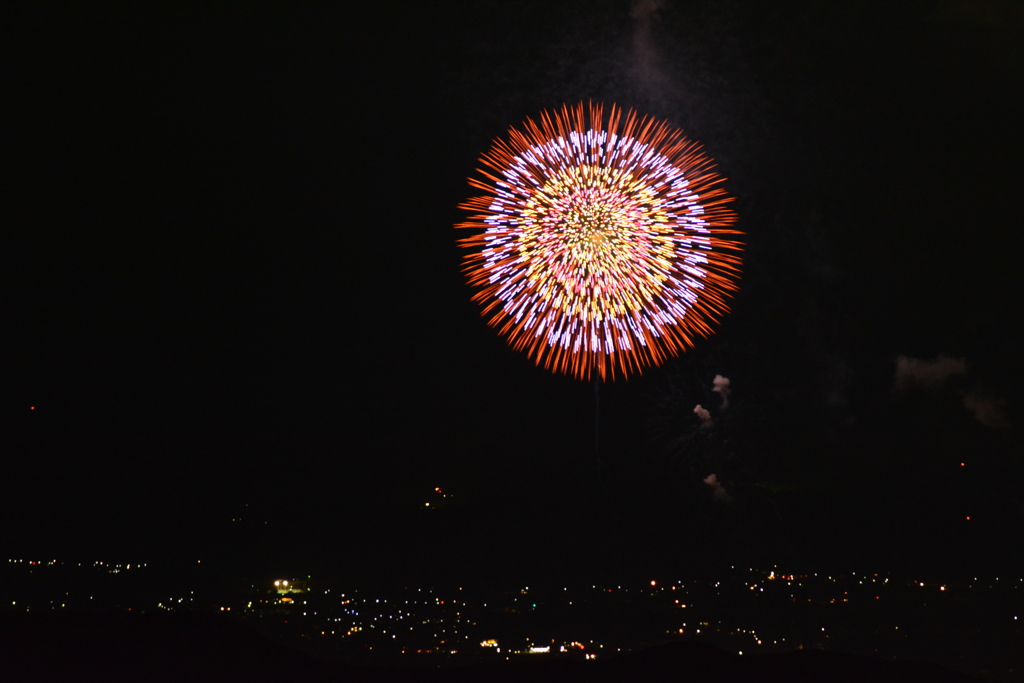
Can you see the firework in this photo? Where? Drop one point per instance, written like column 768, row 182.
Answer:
column 602, row 244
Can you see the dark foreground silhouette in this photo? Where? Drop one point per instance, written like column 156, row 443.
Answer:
column 190, row 647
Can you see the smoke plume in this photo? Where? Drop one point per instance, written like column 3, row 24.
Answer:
column 914, row 373
column 721, row 387
column 718, row 492
column 646, row 71
column 929, row 374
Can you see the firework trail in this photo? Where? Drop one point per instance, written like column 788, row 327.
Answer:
column 602, row 244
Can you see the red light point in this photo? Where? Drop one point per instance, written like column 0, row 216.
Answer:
column 968, row 518
column 31, row 407
column 961, row 464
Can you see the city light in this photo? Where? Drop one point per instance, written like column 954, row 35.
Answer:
column 425, row 622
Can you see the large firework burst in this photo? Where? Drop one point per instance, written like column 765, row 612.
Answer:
column 603, row 243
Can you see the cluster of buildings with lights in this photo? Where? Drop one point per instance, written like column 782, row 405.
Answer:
column 744, row 611
column 414, row 622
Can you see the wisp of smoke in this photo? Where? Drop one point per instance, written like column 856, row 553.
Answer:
column 933, row 374
column 912, row 372
column 646, row 71
column 717, row 491
column 987, row 411
column 721, row 387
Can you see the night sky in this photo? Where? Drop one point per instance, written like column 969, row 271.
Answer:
column 230, row 277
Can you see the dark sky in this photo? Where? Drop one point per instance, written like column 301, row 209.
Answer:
column 230, row 275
